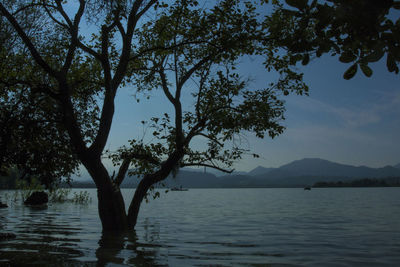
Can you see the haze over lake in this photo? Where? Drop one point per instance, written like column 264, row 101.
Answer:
column 227, row 227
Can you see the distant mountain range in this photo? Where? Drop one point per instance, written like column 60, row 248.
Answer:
column 298, row 173
column 259, row 170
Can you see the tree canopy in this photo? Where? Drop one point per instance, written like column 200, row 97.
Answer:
column 201, row 51
column 359, row 32
column 33, row 138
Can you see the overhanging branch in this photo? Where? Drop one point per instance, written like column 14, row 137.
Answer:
column 27, row 41
column 123, row 169
column 191, row 164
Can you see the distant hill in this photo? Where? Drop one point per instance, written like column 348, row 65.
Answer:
column 321, row 167
column 397, row 166
column 305, row 172
column 298, row 173
column 259, row 170
column 193, row 180
column 184, row 178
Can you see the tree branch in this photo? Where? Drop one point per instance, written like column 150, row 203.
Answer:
column 164, row 85
column 53, row 18
column 201, row 87
column 107, row 111
column 122, row 171
column 71, row 123
column 89, row 50
column 211, row 138
column 126, row 162
column 178, row 109
column 195, row 130
column 24, row 7
column 155, row 48
column 32, row 49
column 146, row 8
column 189, row 164
column 39, row 87
column 189, row 73
column 64, row 14
column 74, row 37
column 104, row 56
column 124, row 58
column 120, row 28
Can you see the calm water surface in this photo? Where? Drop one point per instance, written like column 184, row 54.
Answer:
column 224, row 227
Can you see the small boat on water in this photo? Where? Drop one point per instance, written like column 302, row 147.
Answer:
column 178, row 189
column 307, row 188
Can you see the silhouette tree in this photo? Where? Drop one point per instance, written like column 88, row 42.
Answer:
column 204, row 49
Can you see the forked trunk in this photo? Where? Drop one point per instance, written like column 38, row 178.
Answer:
column 111, row 204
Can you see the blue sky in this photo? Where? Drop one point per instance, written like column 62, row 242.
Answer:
column 352, row 122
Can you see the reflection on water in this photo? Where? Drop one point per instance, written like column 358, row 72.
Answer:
column 112, row 246
column 225, row 227
column 67, row 235
column 42, row 236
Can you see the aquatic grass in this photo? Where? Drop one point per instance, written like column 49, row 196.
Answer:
column 27, row 188
column 83, row 197
column 59, row 195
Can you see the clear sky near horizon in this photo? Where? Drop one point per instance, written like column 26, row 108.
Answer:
column 353, row 122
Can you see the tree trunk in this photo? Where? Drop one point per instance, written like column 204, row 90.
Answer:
column 111, row 207
column 147, row 182
column 111, row 204
column 134, row 207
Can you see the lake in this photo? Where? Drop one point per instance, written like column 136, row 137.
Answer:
column 224, row 227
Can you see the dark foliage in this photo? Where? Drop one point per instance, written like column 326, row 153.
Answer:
column 360, row 32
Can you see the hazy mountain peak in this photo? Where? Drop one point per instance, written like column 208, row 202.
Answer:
column 321, row 167
column 259, row 170
column 307, row 162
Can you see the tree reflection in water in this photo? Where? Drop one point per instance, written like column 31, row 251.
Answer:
column 123, row 248
column 66, row 235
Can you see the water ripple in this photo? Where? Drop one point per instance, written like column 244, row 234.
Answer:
column 218, row 227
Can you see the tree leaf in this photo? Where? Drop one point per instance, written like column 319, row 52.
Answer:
column 350, row 72
column 390, row 63
column 366, row 70
column 300, row 4
column 347, row 57
column 306, row 59
column 374, row 56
